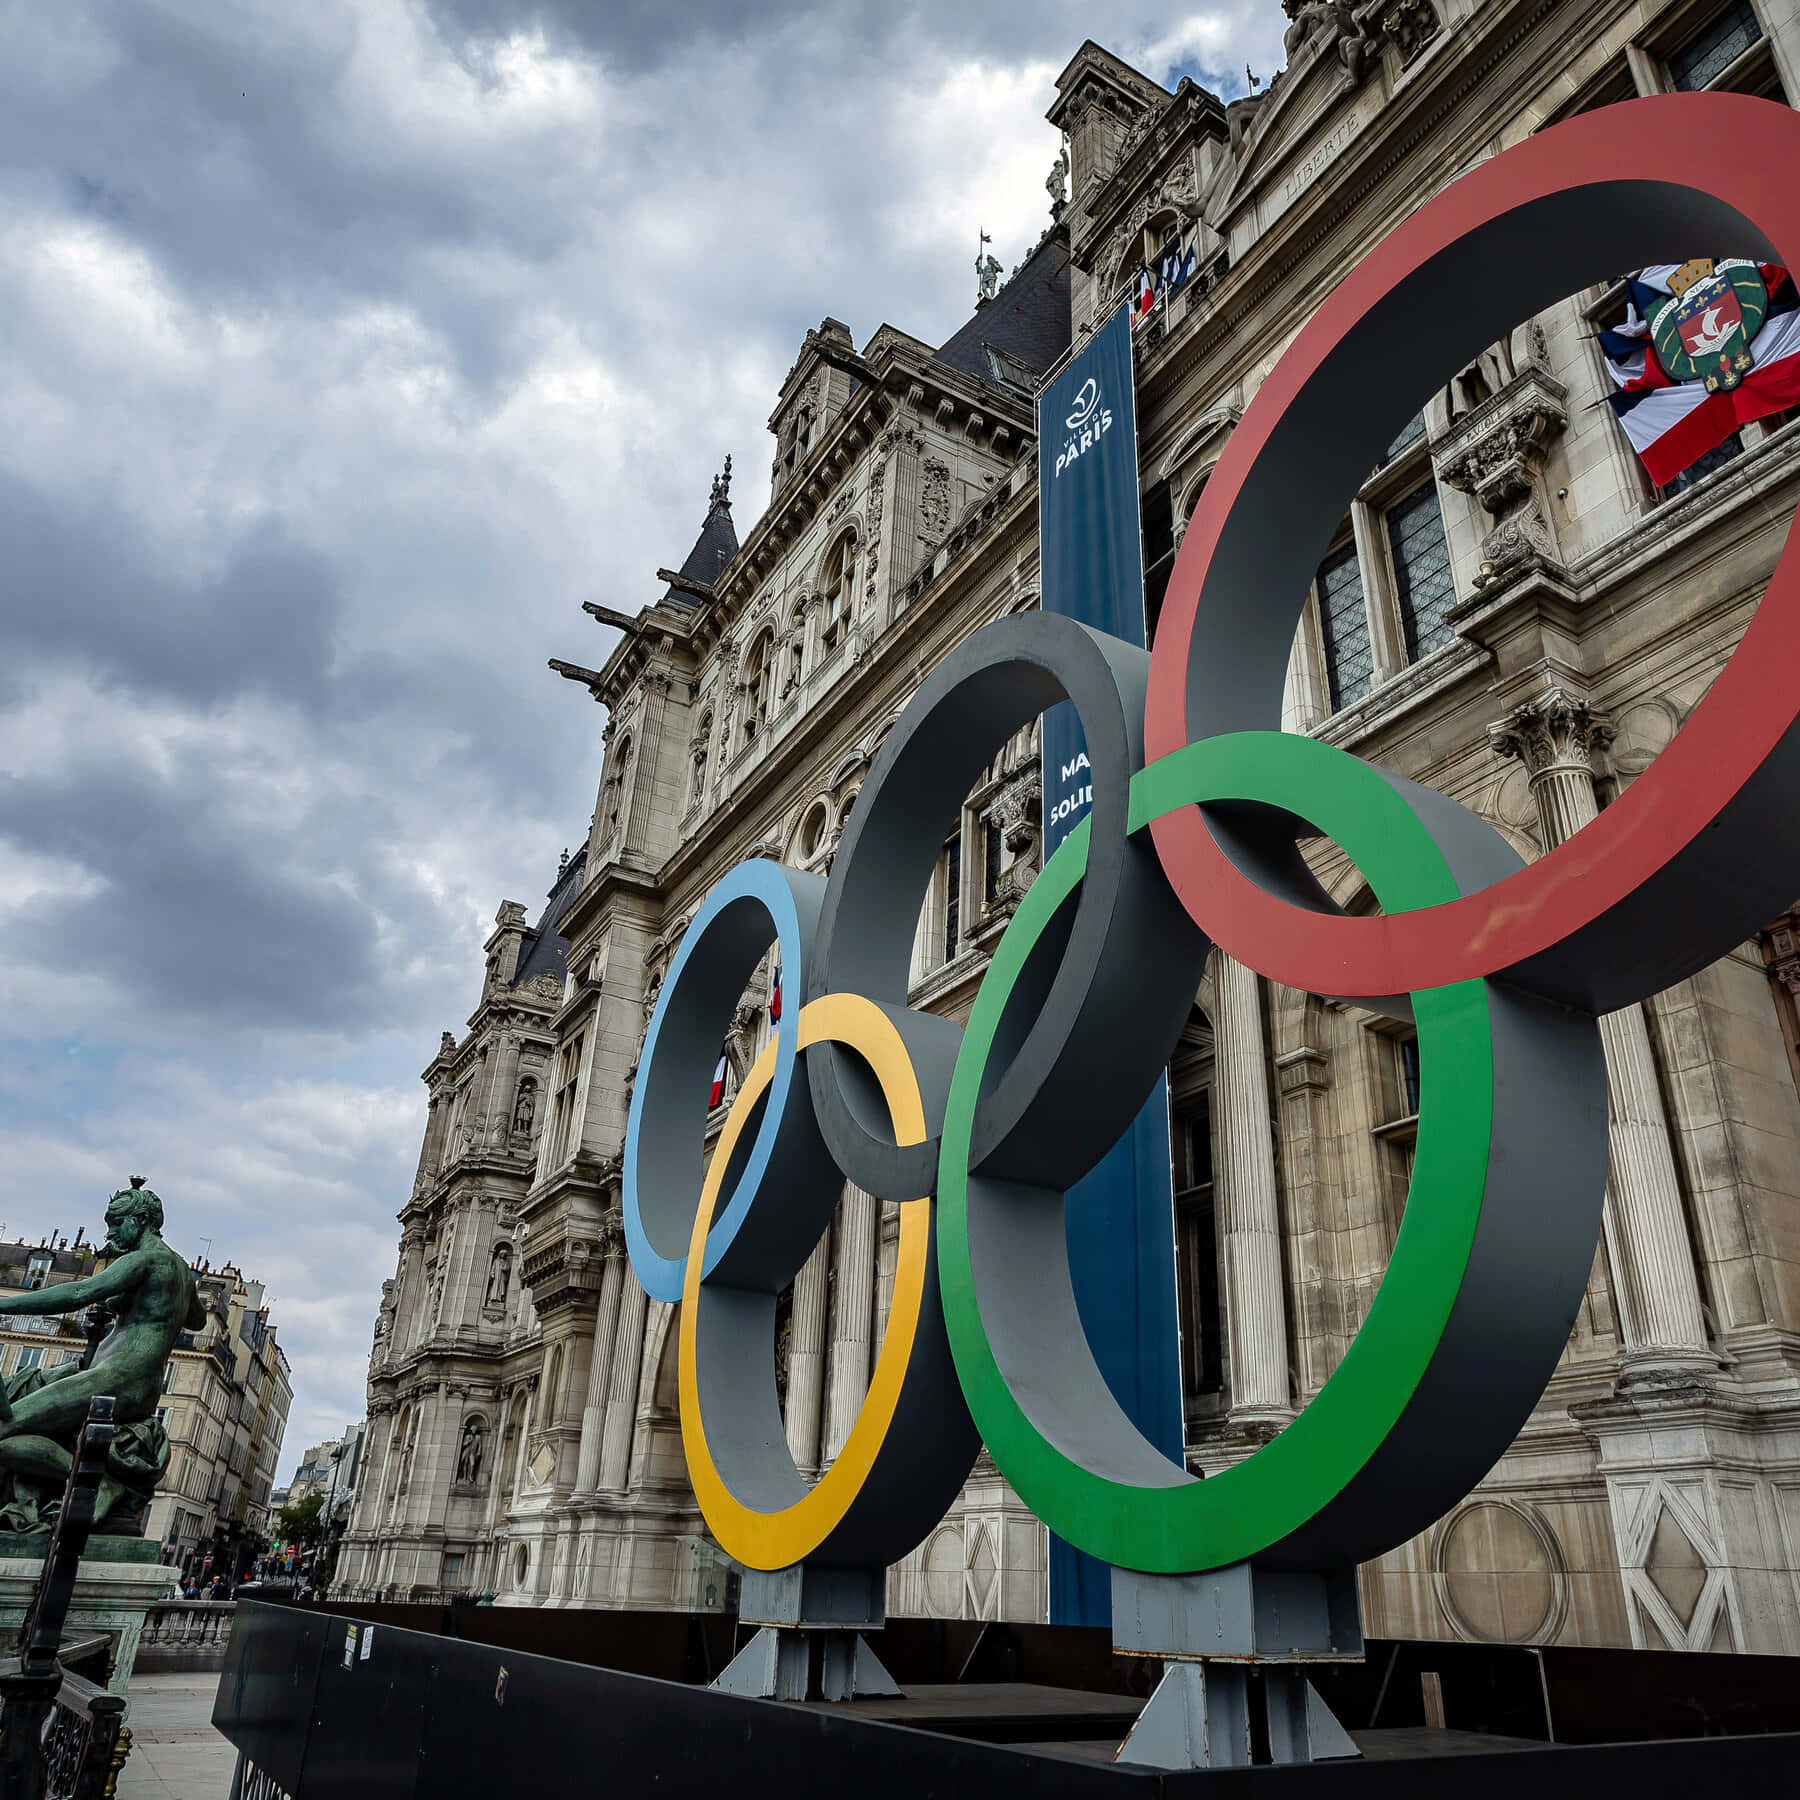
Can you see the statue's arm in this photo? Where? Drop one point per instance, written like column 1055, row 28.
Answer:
column 117, row 1278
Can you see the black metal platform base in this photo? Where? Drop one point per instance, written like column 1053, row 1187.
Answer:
column 313, row 1717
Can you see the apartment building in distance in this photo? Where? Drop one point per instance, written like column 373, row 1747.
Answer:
column 41, row 1340
column 227, row 1392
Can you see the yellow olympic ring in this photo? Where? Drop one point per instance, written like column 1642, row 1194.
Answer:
column 774, row 1540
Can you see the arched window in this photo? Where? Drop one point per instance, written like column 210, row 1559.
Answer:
column 759, row 679
column 615, row 790
column 838, row 590
column 499, row 1278
column 811, row 836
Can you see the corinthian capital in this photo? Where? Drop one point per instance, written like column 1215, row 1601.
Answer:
column 1556, row 730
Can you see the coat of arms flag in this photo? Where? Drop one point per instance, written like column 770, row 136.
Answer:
column 1705, row 347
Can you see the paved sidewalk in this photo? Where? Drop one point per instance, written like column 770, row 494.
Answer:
column 175, row 1753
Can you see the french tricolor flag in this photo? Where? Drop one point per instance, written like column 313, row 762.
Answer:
column 718, row 1086
column 1672, row 424
column 1146, row 295
column 775, row 997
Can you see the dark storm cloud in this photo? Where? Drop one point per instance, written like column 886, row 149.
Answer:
column 81, row 584
column 199, row 917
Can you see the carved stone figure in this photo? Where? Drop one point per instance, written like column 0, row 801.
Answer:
column 152, row 1297
column 987, row 272
column 499, row 1275
column 1330, row 21
column 469, row 1455
column 526, row 1108
column 1056, row 183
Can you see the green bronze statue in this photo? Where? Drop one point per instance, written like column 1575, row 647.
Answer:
column 153, row 1298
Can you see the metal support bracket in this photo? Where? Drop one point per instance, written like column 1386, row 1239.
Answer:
column 810, row 1644
column 1211, row 1630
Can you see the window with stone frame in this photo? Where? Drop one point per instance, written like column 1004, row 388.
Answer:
column 939, row 935
column 1386, row 579
column 1395, row 1079
column 952, row 913
column 1720, row 49
column 1197, row 1273
column 1196, row 1249
column 1423, row 588
column 759, row 682
column 837, row 594
column 1344, row 628
column 566, row 1126
column 993, row 859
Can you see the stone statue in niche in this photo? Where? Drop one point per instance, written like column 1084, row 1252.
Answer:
column 468, row 1456
column 499, row 1275
column 525, row 1108
column 151, row 1298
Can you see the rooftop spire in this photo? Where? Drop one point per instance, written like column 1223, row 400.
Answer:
column 721, row 488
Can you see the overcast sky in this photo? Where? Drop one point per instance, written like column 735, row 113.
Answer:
column 345, row 349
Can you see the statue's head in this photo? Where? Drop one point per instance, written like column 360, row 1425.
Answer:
column 131, row 1212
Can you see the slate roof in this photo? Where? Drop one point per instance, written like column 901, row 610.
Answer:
column 63, row 1262
column 713, row 549
column 544, row 951
column 1027, row 320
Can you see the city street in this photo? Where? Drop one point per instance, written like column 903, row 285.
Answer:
column 175, row 1753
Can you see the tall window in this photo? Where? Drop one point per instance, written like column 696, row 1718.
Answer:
column 1344, row 627
column 1715, row 47
column 839, row 590
column 952, row 895
column 993, row 853
column 759, row 679
column 568, row 1079
column 1423, row 587
column 1197, row 1249
column 1727, row 52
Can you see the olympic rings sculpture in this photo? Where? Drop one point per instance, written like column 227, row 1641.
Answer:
column 1199, row 804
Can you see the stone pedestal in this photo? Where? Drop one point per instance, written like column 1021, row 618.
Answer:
column 121, row 1578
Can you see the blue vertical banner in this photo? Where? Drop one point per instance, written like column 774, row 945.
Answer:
column 1121, row 1217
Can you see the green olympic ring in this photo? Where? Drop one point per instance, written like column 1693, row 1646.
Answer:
column 1072, row 1457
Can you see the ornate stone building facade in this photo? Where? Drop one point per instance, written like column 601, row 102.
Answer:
column 1509, row 613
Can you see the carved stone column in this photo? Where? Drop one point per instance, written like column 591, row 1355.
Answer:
column 806, row 1356
column 1249, row 1216
column 501, row 1094
column 855, row 1313
column 606, row 1326
column 621, row 1390
column 437, row 1115
column 1555, row 736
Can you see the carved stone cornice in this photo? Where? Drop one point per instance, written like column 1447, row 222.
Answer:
column 1554, row 731
column 1783, row 939
column 1496, row 451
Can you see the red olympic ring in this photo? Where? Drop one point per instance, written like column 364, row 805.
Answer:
column 1642, row 896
